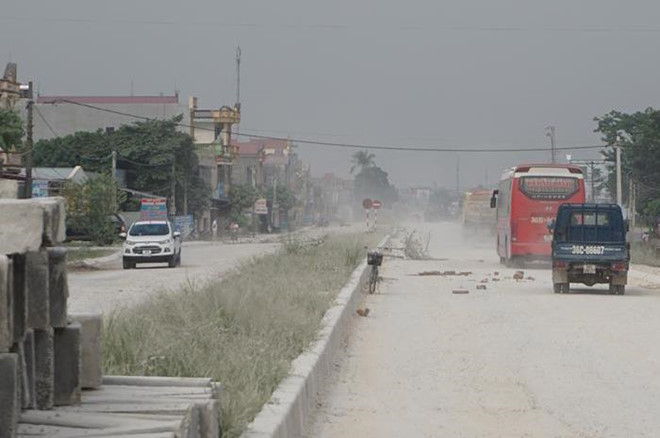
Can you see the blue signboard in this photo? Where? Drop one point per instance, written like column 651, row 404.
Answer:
column 154, row 209
column 184, row 224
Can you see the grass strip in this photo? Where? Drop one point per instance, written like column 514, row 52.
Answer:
column 75, row 255
column 243, row 331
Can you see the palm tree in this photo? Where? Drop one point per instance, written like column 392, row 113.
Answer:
column 362, row 160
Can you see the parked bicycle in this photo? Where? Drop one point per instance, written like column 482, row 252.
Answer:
column 374, row 259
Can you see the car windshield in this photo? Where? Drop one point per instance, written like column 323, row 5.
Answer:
column 149, row 230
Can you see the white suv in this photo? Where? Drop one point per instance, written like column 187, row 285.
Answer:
column 152, row 242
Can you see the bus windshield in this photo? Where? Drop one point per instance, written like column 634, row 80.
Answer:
column 548, row 187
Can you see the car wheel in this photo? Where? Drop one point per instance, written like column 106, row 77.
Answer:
column 178, row 259
column 172, row 261
column 127, row 264
column 561, row 288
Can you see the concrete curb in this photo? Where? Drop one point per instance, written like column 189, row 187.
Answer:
column 287, row 411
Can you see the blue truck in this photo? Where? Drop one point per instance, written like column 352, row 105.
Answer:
column 589, row 246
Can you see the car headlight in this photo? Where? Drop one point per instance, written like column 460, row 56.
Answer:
column 165, row 242
column 130, row 243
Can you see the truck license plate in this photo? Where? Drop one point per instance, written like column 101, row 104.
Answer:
column 147, row 252
column 589, row 269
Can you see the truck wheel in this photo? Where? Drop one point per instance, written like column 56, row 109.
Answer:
column 617, row 289
column 561, row 288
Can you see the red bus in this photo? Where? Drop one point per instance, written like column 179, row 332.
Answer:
column 528, row 198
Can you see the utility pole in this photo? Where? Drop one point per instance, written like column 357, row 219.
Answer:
column 114, row 165
column 458, row 172
column 238, row 77
column 30, row 149
column 114, row 175
column 551, row 132
column 593, row 181
column 619, row 195
column 274, row 199
column 173, row 190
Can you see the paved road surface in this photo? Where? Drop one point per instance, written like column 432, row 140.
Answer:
column 515, row 360
column 113, row 287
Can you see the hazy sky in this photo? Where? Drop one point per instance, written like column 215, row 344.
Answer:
column 472, row 73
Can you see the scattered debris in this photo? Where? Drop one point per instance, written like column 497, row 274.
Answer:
column 414, row 248
column 519, row 275
column 481, row 287
column 460, row 291
column 496, row 273
column 485, row 280
column 496, row 279
column 363, row 312
column 530, row 278
column 444, row 273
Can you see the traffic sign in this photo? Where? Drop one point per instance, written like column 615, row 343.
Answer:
column 367, row 203
column 261, row 206
column 376, row 204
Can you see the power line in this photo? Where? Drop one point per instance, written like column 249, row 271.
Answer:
column 346, row 145
column 41, row 116
column 582, row 28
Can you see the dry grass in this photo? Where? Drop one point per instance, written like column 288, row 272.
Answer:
column 243, row 331
column 76, row 255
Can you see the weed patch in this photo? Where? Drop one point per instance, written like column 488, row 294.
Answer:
column 242, row 331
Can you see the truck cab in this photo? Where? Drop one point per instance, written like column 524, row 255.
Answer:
column 589, row 246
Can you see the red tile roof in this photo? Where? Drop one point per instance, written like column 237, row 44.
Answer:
column 253, row 146
column 111, row 99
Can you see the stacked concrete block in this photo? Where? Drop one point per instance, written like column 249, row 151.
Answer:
column 40, row 349
column 91, row 326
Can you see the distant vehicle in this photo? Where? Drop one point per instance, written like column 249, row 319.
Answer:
column 527, row 199
column 118, row 224
column 477, row 214
column 589, row 246
column 152, row 242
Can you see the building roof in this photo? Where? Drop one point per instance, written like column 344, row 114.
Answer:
column 253, row 146
column 59, row 173
column 112, row 99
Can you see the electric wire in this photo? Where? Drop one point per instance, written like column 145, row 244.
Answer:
column 347, row 145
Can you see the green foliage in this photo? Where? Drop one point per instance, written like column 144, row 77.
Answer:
column 285, row 199
column 11, row 129
column 652, row 209
column 242, row 198
column 89, row 205
column 362, row 160
column 639, row 136
column 371, row 181
column 145, row 150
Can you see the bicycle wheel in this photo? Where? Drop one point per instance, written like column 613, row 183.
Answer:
column 373, row 279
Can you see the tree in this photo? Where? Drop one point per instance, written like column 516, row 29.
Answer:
column 241, row 197
column 638, row 135
column 145, row 151
column 371, row 181
column 11, row 129
column 362, row 160
column 88, row 206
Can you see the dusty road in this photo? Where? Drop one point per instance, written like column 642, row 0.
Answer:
column 111, row 287
column 515, row 360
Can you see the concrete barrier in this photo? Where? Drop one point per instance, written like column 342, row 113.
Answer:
column 287, row 412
